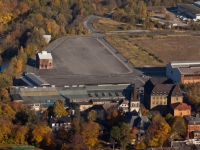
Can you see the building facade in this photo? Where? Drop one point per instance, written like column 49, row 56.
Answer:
column 180, row 109
column 192, row 125
column 159, row 93
column 134, row 104
column 184, row 71
column 44, row 60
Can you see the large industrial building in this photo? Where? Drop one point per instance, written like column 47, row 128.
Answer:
column 40, row 97
column 184, row 71
column 190, row 10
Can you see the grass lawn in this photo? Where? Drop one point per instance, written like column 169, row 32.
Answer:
column 144, row 51
column 109, row 25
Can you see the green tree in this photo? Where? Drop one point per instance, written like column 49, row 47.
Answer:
column 115, row 134
column 58, row 108
column 126, row 135
column 26, row 116
column 92, row 115
column 178, row 127
column 77, row 114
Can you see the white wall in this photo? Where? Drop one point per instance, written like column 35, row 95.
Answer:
column 173, row 73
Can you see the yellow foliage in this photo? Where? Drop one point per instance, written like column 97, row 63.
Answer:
column 40, row 132
column 90, row 132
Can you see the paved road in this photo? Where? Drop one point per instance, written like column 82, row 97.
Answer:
column 150, row 71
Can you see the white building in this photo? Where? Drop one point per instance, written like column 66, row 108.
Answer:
column 184, row 71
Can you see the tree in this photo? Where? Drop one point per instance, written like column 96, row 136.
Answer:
column 92, row 115
column 6, row 112
column 89, row 133
column 115, row 134
column 39, row 132
column 58, row 108
column 5, row 130
column 26, row 116
column 157, row 133
column 167, row 16
column 178, row 127
column 127, row 137
column 77, row 142
column 140, row 145
column 20, row 135
column 4, row 95
column 168, row 117
column 77, row 114
column 115, row 117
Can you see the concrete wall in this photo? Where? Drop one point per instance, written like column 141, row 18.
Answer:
column 173, row 73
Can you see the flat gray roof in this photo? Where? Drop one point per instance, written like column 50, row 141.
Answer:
column 191, row 8
column 45, row 55
column 190, row 71
column 32, row 80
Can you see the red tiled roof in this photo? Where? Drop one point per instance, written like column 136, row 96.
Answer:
column 180, row 106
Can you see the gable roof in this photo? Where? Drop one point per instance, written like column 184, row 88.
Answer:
column 109, row 106
column 63, row 119
column 180, row 106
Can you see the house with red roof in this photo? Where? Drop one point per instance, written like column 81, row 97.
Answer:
column 180, row 109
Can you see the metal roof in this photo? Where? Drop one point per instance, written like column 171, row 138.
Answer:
column 32, row 80
column 190, row 71
column 45, row 55
column 191, row 8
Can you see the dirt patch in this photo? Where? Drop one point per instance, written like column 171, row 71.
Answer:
column 157, row 51
column 110, row 25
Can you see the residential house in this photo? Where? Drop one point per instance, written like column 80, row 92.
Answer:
column 192, row 126
column 134, row 104
column 180, row 109
column 44, row 60
column 58, row 122
column 159, row 93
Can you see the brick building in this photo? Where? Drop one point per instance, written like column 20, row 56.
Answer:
column 44, row 60
column 192, row 126
column 180, row 109
column 184, row 71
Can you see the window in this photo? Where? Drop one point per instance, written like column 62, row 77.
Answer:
column 161, row 103
column 153, row 102
column 153, row 97
column 133, row 105
column 157, row 102
column 161, row 97
column 176, row 98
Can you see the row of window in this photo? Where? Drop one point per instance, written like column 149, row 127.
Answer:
column 157, row 97
column 161, row 103
column 135, row 105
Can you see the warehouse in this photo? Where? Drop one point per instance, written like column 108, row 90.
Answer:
column 189, row 10
column 184, row 71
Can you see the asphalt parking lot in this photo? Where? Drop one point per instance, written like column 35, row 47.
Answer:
column 84, row 60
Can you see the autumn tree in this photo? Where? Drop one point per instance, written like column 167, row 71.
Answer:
column 140, row 145
column 5, row 130
column 158, row 131
column 89, row 133
column 39, row 133
column 19, row 135
column 58, row 108
column 6, row 111
column 77, row 142
column 92, row 115
column 4, row 95
column 115, row 117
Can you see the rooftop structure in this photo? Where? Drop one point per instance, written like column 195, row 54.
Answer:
column 45, row 55
column 44, row 60
column 159, row 93
column 31, row 79
column 47, row 95
column 184, row 71
column 181, row 109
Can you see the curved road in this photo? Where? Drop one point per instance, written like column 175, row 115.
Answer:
column 100, row 37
